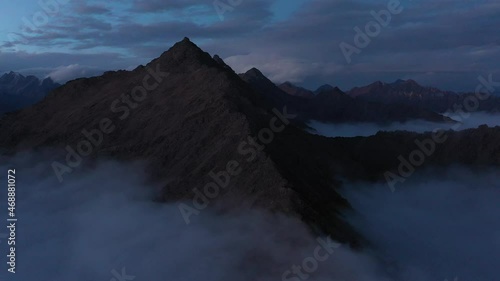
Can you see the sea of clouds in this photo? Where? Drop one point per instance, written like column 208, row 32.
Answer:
column 102, row 222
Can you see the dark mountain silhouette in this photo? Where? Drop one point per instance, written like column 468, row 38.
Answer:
column 409, row 92
column 191, row 118
column 399, row 90
column 326, row 87
column 293, row 90
column 200, row 117
column 332, row 105
column 18, row 91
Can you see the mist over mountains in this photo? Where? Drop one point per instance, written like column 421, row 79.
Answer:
column 425, row 227
column 109, row 224
column 183, row 169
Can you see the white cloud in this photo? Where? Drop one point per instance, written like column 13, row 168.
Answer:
column 280, row 69
column 64, row 73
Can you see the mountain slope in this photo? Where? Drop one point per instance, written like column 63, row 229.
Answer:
column 293, row 90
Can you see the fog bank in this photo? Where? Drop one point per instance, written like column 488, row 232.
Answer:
column 419, row 126
column 438, row 224
column 103, row 222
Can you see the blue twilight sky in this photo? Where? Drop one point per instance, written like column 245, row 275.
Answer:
column 445, row 43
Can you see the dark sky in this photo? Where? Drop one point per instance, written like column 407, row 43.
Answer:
column 445, row 43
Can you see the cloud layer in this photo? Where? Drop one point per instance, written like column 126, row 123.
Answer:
column 445, row 44
column 103, row 222
column 420, row 126
column 439, row 225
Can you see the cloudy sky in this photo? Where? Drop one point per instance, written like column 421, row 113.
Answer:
column 445, row 43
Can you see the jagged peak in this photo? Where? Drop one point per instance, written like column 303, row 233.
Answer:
column 378, row 83
column 48, row 81
column 288, row 83
column 325, row 87
column 412, row 82
column 406, row 82
column 185, row 51
column 221, row 62
column 254, row 72
column 48, row 78
column 13, row 74
column 186, row 46
column 13, row 77
column 218, row 58
column 330, row 92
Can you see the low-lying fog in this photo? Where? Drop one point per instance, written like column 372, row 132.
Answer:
column 102, row 222
column 437, row 224
column 369, row 129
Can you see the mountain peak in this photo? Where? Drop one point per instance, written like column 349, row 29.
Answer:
column 185, row 52
column 323, row 88
column 12, row 74
column 294, row 90
column 406, row 82
column 255, row 73
column 186, row 45
column 221, row 62
column 412, row 82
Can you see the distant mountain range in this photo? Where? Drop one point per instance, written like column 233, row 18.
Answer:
column 293, row 90
column 378, row 102
column 409, row 92
column 18, row 91
column 330, row 104
column 398, row 101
